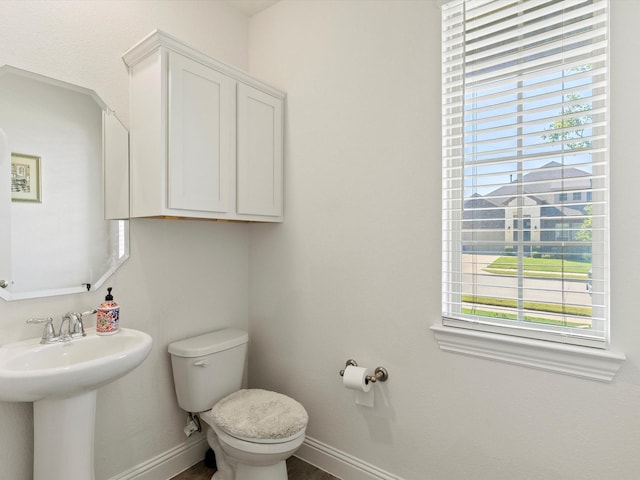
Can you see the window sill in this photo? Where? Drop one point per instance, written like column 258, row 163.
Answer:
column 583, row 362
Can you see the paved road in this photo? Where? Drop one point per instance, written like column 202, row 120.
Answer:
column 535, row 289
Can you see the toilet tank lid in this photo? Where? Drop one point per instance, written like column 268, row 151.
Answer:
column 209, row 343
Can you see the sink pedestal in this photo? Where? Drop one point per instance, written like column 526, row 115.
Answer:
column 63, row 431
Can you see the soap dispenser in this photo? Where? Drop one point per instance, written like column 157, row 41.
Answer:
column 108, row 318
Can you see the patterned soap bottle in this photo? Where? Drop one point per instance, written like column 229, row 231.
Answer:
column 108, row 319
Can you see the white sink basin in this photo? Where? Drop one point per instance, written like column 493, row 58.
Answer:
column 30, row 371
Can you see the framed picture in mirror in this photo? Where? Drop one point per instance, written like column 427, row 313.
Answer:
column 26, row 182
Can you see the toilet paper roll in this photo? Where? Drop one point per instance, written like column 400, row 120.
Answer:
column 355, row 378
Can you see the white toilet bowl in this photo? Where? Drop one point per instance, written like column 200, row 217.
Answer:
column 250, row 460
column 250, row 445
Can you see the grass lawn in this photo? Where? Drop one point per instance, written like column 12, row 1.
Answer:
column 528, row 318
column 551, row 266
column 528, row 305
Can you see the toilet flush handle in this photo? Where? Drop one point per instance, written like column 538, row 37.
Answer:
column 201, row 363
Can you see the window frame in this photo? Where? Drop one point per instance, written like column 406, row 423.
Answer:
column 525, row 347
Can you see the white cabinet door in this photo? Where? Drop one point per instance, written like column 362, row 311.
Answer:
column 260, row 153
column 201, row 137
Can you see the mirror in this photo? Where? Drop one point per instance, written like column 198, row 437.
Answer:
column 61, row 152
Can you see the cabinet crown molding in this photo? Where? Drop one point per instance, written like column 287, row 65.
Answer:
column 159, row 39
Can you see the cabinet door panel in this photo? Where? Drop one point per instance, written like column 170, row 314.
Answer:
column 201, row 133
column 260, row 153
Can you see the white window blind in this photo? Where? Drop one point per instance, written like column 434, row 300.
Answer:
column 525, row 168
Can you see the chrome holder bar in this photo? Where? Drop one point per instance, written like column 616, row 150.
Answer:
column 350, row 363
column 379, row 374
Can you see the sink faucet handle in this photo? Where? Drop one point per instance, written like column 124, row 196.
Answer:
column 48, row 334
column 40, row 320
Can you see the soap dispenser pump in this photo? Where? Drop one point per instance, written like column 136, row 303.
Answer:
column 108, row 318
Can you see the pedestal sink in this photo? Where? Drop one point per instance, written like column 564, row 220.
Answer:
column 62, row 380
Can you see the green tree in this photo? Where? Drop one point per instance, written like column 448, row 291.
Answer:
column 584, row 234
column 571, row 124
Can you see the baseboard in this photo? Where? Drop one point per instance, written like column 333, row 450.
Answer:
column 340, row 464
column 170, row 463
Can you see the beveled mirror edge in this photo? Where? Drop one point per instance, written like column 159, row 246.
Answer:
column 115, row 167
column 6, row 69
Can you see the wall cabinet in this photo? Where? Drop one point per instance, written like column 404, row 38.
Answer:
column 206, row 138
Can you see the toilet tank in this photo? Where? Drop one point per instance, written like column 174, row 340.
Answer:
column 208, row 367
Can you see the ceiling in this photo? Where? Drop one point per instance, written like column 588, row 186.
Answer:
column 251, row 7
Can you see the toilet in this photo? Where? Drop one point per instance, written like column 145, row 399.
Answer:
column 252, row 431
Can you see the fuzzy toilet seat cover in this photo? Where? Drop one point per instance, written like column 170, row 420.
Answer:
column 259, row 414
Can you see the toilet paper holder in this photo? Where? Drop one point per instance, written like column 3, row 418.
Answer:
column 379, row 374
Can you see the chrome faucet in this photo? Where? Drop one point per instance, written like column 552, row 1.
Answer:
column 49, row 334
column 65, row 335
column 73, row 321
column 76, row 327
column 69, row 318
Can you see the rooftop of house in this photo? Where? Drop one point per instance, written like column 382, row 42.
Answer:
column 548, row 179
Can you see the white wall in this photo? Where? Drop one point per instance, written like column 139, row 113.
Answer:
column 182, row 278
column 355, row 269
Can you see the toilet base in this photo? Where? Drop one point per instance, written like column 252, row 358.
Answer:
column 277, row 471
column 234, row 466
column 242, row 471
column 251, row 472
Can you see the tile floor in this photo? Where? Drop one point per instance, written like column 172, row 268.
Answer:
column 296, row 468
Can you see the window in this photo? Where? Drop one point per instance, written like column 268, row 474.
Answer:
column 525, row 133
